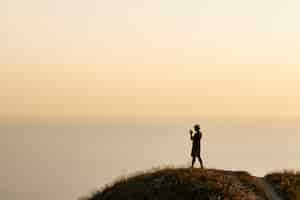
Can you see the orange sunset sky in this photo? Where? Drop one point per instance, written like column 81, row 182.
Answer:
column 67, row 59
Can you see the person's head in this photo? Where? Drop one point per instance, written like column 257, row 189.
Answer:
column 197, row 127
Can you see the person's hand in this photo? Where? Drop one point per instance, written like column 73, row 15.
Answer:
column 191, row 132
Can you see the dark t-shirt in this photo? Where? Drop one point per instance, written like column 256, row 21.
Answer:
column 196, row 144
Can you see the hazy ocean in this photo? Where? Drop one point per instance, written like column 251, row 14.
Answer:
column 67, row 160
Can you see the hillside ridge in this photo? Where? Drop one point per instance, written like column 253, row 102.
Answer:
column 186, row 183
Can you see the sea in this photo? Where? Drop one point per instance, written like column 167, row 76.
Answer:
column 71, row 159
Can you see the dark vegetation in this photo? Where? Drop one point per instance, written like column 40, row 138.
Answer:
column 182, row 184
column 286, row 184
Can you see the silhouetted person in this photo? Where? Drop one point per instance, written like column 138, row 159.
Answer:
column 196, row 138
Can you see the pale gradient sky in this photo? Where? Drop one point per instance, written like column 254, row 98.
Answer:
column 94, row 58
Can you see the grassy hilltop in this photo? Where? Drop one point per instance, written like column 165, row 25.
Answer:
column 197, row 184
column 180, row 184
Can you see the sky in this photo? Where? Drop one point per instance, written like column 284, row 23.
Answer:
column 66, row 59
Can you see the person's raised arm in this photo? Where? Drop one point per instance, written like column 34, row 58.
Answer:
column 191, row 134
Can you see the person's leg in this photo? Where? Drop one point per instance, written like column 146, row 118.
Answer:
column 193, row 161
column 200, row 161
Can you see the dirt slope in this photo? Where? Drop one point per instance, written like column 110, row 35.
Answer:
column 269, row 190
